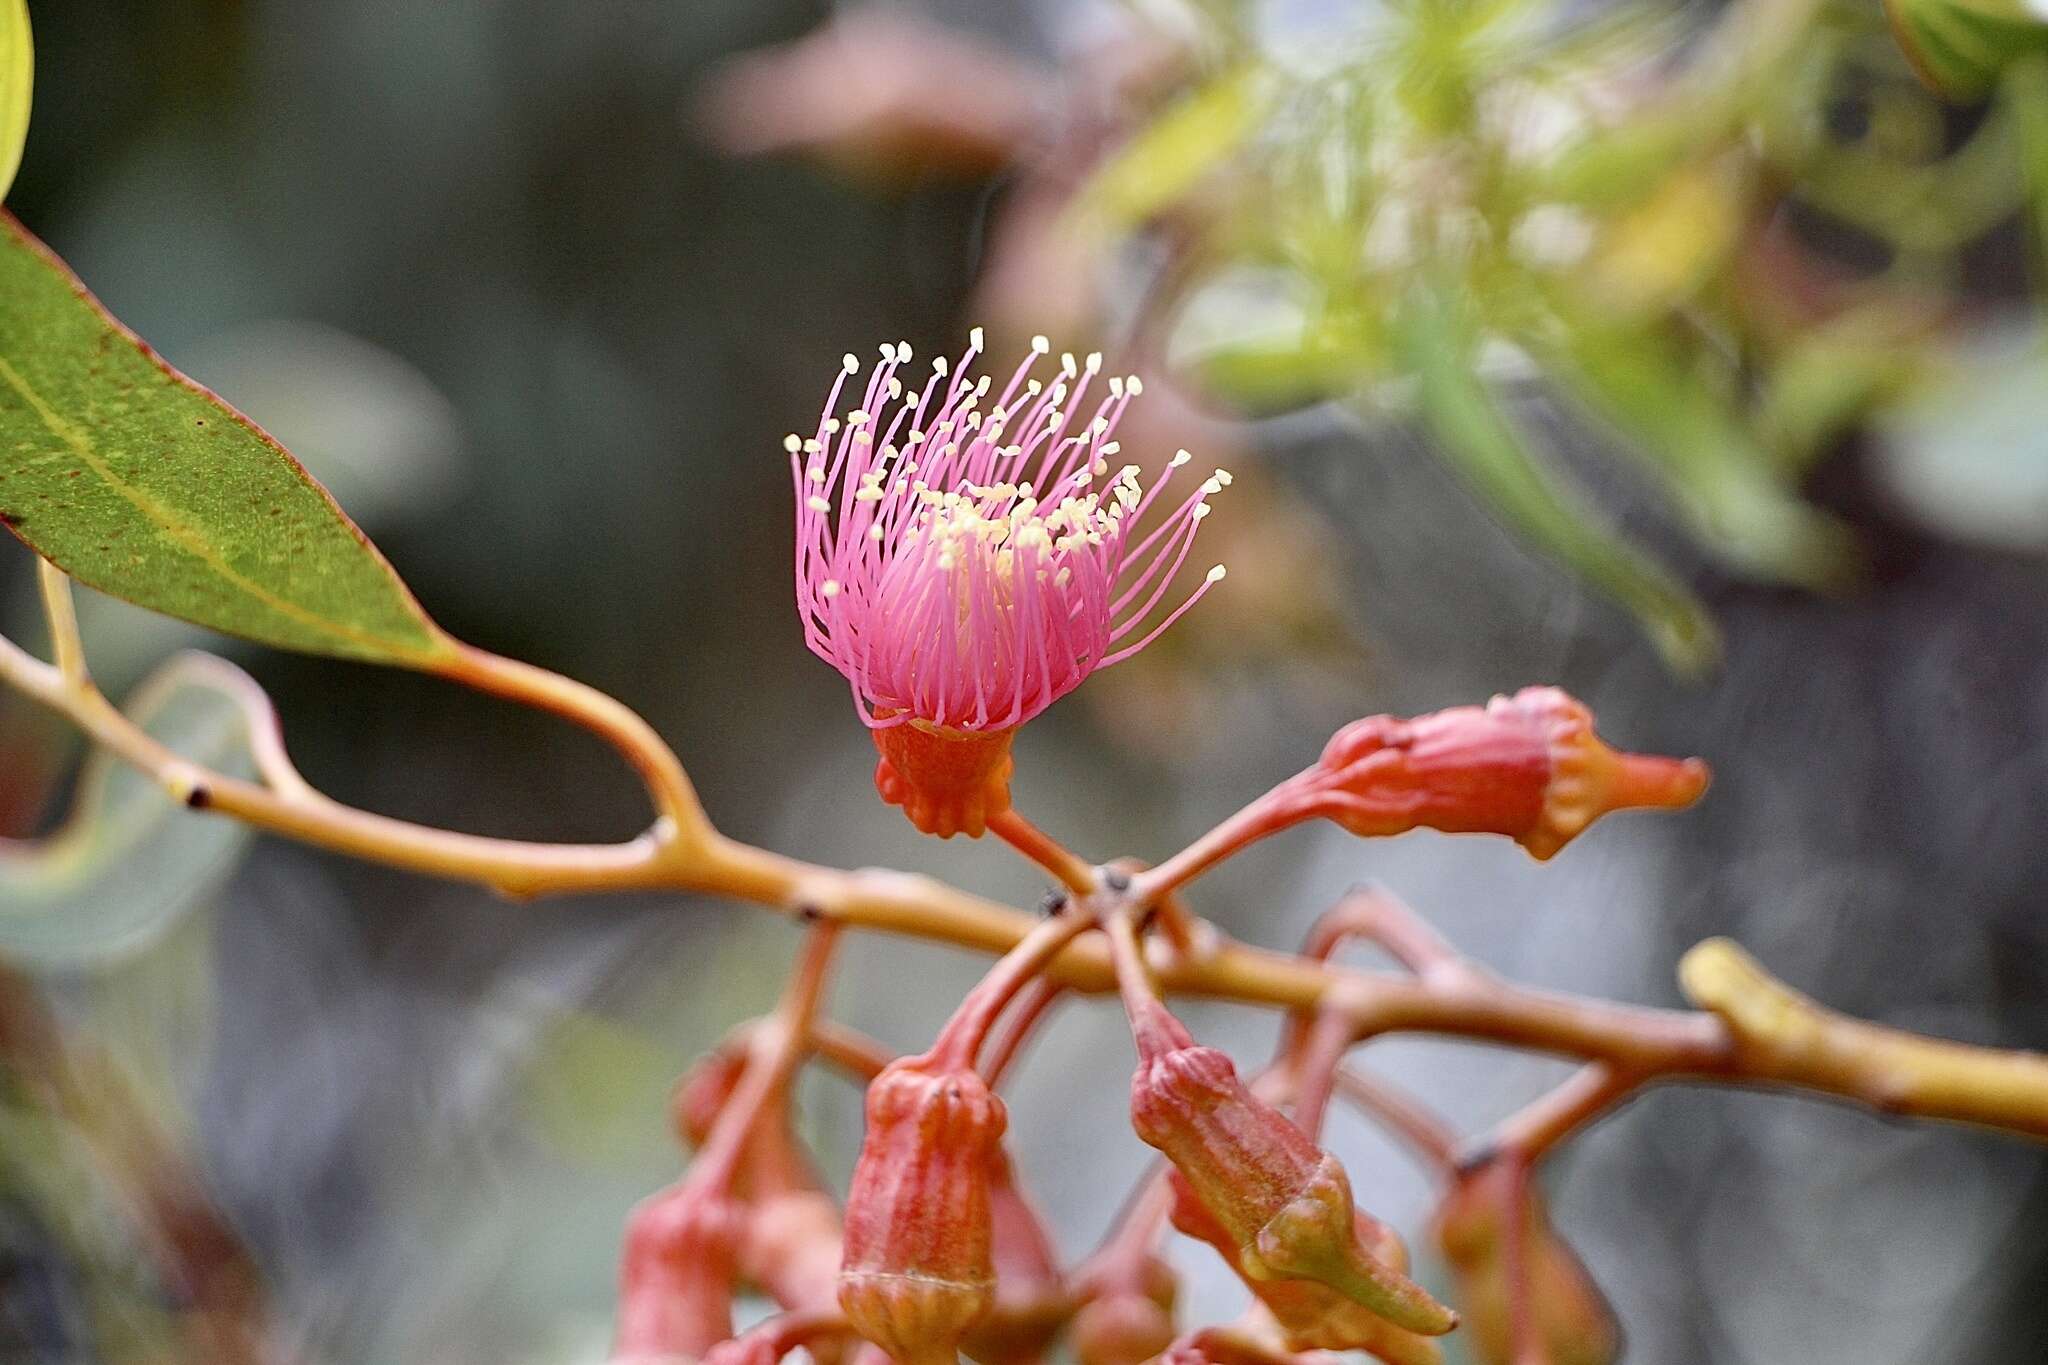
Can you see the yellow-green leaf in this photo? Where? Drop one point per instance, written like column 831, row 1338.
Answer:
column 138, row 482
column 1165, row 160
column 17, row 80
column 1483, row 446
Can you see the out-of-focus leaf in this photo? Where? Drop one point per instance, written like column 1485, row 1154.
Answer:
column 581, row 1065
column 2025, row 95
column 1730, row 489
column 139, row 483
column 1618, row 166
column 1658, row 252
column 1483, row 445
column 1164, row 161
column 1820, row 388
column 1266, row 341
column 129, row 863
column 1970, row 459
column 17, row 86
column 1960, row 47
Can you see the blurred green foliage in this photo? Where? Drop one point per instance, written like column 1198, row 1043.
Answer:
column 1420, row 207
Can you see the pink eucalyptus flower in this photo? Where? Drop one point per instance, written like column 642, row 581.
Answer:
column 967, row 566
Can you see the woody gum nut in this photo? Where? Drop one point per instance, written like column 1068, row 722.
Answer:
column 917, row 1269
column 947, row 781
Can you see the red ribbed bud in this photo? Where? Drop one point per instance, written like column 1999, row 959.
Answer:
column 1573, row 1320
column 1527, row 766
column 790, row 1247
column 677, row 1276
column 773, row 1160
column 1283, row 1203
column 918, row 1269
column 1131, row 1320
column 1030, row 1304
column 1314, row 1316
column 947, row 781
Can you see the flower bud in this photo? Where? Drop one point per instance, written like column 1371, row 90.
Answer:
column 1311, row 1315
column 1131, row 1320
column 1283, row 1203
column 1572, row 1317
column 790, row 1247
column 677, row 1275
column 1527, row 766
column 918, row 1270
column 774, row 1160
column 1031, row 1304
column 947, row 781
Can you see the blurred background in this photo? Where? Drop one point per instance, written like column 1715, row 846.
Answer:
column 1688, row 357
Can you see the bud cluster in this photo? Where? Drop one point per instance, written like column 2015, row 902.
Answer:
column 964, row 568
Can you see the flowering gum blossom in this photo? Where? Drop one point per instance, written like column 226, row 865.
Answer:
column 966, row 554
column 918, row 1269
column 1281, row 1201
column 1527, row 766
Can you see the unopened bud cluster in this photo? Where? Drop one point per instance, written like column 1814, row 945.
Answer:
column 968, row 551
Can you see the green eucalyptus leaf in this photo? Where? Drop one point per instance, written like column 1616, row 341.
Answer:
column 129, row 863
column 1483, row 445
column 1164, row 161
column 1730, row 489
column 138, row 482
column 17, row 86
column 1961, row 47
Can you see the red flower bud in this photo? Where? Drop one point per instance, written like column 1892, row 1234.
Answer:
column 1527, row 766
column 918, row 1268
column 773, row 1160
column 1031, row 1304
column 947, row 781
column 1311, row 1315
column 1130, row 1320
column 677, row 1275
column 1572, row 1317
column 1283, row 1203
column 790, row 1247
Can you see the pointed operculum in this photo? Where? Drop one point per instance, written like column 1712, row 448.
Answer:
column 947, row 781
column 1527, row 766
column 1282, row 1202
column 1588, row 779
column 918, row 1270
column 1311, row 1315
